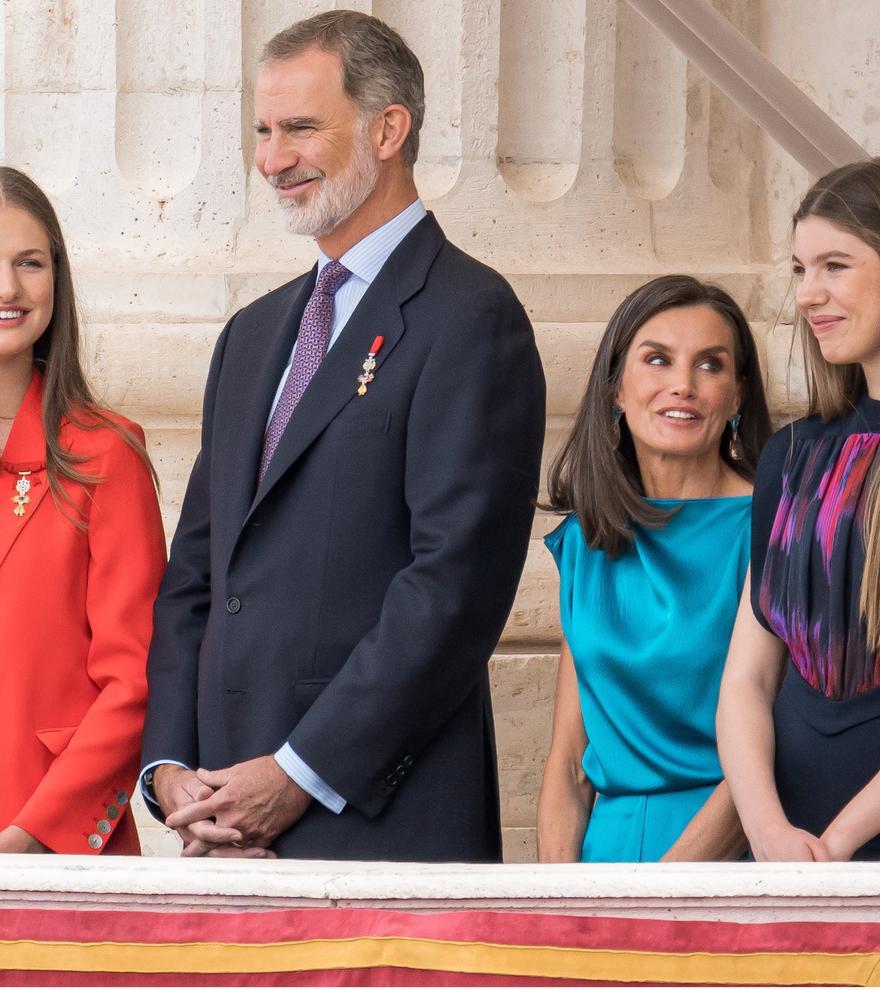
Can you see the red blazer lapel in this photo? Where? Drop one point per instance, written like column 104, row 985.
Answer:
column 23, row 467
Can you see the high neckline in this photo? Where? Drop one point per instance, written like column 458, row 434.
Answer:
column 870, row 409
column 713, row 500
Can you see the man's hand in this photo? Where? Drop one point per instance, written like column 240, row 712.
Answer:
column 174, row 787
column 177, row 788
column 256, row 800
column 15, row 840
column 199, row 848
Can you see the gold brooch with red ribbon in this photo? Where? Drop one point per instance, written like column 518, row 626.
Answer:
column 369, row 366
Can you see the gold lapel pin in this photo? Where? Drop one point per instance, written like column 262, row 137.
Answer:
column 369, row 366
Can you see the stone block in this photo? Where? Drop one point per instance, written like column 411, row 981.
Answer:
column 160, row 46
column 155, row 839
column 149, row 159
column 567, row 351
column 147, row 370
column 650, row 107
column 523, row 691
column 520, row 786
column 518, row 845
column 591, row 296
column 32, row 29
column 44, row 135
column 534, row 617
column 153, row 297
column 787, row 384
column 173, row 452
column 245, row 287
column 539, row 156
column 440, row 148
column 523, row 684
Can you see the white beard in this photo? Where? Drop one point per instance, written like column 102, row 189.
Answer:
column 334, row 201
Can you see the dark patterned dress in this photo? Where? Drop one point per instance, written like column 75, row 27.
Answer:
column 808, row 555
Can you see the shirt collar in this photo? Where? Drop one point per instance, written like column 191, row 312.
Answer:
column 366, row 258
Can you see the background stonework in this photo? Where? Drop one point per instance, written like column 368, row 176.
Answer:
column 567, row 144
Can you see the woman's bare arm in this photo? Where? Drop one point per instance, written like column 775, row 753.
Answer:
column 714, row 833
column 746, row 743
column 566, row 795
column 857, row 822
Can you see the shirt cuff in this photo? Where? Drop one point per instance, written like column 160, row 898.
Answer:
column 301, row 773
column 146, row 778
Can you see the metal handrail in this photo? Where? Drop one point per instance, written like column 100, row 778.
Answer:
column 753, row 82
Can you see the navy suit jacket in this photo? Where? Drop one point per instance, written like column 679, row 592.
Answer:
column 349, row 602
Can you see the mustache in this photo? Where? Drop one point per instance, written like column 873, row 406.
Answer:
column 292, row 175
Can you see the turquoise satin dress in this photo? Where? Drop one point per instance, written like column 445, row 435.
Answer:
column 649, row 633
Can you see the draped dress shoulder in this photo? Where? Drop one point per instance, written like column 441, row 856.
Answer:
column 649, row 633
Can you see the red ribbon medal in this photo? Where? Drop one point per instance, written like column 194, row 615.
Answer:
column 369, row 366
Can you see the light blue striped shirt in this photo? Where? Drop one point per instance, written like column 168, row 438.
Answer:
column 364, row 261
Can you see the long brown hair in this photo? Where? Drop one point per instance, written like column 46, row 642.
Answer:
column 601, row 483
column 848, row 197
column 66, row 391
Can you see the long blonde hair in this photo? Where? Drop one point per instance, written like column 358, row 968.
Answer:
column 848, row 197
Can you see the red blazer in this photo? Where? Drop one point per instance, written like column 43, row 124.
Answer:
column 75, row 624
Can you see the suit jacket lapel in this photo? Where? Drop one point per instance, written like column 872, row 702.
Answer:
column 334, row 384
column 240, row 423
column 25, row 451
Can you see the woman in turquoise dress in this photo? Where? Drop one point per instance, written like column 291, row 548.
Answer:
column 656, row 479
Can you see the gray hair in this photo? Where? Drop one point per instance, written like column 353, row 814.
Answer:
column 378, row 67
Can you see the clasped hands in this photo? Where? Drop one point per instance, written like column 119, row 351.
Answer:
column 234, row 812
column 784, row 842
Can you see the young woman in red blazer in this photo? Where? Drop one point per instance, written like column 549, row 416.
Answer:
column 81, row 555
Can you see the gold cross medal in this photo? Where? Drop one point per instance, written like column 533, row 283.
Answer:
column 369, row 366
column 21, row 497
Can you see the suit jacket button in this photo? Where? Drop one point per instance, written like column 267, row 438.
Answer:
column 233, row 605
column 121, row 797
column 407, row 761
column 103, row 826
column 95, row 841
column 112, row 812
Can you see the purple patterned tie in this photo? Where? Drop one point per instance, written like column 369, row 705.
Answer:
column 311, row 346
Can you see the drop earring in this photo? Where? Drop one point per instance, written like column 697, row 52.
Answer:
column 735, row 447
column 616, row 416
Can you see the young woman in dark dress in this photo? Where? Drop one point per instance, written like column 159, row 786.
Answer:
column 799, row 712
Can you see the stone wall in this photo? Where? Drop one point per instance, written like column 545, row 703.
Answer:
column 566, row 144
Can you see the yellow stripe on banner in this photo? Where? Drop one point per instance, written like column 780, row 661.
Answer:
column 602, row 965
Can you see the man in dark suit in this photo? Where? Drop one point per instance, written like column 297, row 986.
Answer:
column 357, row 520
